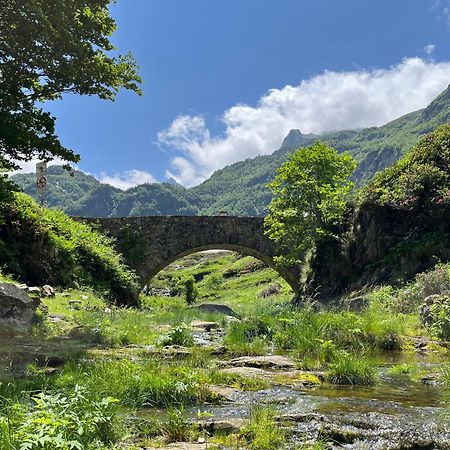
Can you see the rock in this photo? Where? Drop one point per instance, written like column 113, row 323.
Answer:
column 296, row 378
column 270, row 290
column 47, row 291
column 224, row 393
column 218, row 351
column 266, row 362
column 34, row 291
column 215, row 308
column 182, row 446
column 17, row 308
column 225, row 426
column 203, row 325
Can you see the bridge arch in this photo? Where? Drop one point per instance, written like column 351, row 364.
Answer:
column 149, row 244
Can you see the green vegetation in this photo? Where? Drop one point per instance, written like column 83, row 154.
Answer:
column 41, row 59
column 241, row 188
column 348, row 369
column 57, row 421
column 124, row 356
column 70, row 253
column 419, row 180
column 263, row 433
column 310, row 193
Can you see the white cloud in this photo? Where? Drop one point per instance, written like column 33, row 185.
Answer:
column 443, row 8
column 127, row 179
column 325, row 102
column 429, row 49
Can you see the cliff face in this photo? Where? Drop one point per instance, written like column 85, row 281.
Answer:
column 400, row 227
column 383, row 245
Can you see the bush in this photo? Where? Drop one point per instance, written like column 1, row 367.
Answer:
column 439, row 316
column 187, row 286
column 56, row 421
column 44, row 246
column 419, row 180
column 180, row 335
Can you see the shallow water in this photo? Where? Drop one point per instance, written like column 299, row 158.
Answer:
column 394, row 414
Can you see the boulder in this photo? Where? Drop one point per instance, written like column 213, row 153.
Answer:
column 204, row 325
column 47, row 291
column 17, row 308
column 215, row 308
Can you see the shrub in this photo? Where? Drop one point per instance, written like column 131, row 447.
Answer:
column 248, row 337
column 187, row 286
column 179, row 335
column 176, row 427
column 57, row 421
column 213, row 281
column 440, row 316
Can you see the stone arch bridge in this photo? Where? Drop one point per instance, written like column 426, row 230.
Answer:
column 149, row 244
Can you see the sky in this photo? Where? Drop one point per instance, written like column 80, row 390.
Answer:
column 225, row 80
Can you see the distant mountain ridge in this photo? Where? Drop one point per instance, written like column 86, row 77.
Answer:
column 240, row 188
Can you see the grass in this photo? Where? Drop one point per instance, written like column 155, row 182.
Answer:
column 74, row 253
column 120, row 365
column 352, row 369
column 263, row 432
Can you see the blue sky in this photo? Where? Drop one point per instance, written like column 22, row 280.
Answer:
column 226, row 79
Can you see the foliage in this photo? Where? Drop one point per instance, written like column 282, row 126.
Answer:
column 57, row 421
column 176, row 427
column 421, row 179
column 43, row 246
column 179, row 335
column 407, row 299
column 310, row 193
column 241, row 188
column 188, row 288
column 440, row 316
column 263, row 433
column 42, row 57
column 248, row 337
column 350, row 369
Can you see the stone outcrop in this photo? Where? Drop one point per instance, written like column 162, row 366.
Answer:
column 17, row 308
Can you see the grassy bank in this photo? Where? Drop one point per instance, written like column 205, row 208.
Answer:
column 136, row 373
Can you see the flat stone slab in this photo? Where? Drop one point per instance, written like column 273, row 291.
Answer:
column 262, row 362
column 298, row 378
column 183, row 446
column 204, row 325
column 224, row 426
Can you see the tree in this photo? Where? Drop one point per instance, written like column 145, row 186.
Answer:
column 47, row 49
column 309, row 197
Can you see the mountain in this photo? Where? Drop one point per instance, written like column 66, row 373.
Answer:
column 240, row 188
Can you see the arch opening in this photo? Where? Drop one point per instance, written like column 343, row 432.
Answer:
column 151, row 273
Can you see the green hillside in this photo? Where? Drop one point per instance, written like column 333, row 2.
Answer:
column 239, row 188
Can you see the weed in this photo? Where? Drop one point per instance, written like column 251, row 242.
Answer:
column 263, row 433
column 180, row 335
column 349, row 369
